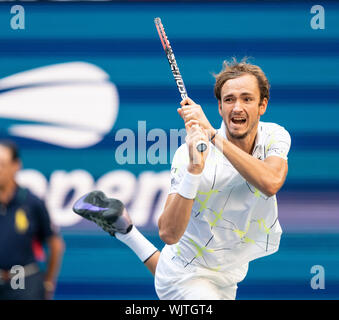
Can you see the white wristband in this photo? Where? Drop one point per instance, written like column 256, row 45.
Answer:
column 189, row 185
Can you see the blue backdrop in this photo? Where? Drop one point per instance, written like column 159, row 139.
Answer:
column 80, row 73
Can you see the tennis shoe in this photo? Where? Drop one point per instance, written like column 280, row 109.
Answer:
column 108, row 213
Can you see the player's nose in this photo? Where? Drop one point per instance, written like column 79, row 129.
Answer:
column 237, row 106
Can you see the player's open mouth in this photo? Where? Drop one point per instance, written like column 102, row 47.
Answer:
column 238, row 120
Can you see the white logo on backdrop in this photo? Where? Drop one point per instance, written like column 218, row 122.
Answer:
column 72, row 105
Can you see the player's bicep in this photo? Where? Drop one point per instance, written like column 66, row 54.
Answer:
column 280, row 168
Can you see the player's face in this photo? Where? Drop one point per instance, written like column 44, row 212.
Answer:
column 240, row 106
column 8, row 167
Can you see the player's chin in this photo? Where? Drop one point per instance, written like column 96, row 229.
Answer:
column 238, row 133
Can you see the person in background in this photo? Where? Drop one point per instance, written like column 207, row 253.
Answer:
column 25, row 226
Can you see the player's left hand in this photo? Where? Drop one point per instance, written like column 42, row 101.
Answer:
column 190, row 111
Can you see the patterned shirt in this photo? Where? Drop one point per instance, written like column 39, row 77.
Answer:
column 231, row 221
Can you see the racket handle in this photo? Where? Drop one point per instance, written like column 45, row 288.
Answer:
column 201, row 146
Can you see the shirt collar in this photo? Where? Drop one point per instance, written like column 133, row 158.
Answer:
column 222, row 130
column 258, row 138
column 258, row 144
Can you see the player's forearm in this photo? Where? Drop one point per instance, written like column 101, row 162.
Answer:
column 174, row 219
column 173, row 222
column 257, row 172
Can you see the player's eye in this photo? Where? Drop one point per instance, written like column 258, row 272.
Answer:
column 228, row 100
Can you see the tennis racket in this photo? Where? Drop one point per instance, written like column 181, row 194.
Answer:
column 201, row 145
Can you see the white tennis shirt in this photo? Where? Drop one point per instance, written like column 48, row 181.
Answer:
column 231, row 221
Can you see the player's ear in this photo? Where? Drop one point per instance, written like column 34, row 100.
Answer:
column 263, row 106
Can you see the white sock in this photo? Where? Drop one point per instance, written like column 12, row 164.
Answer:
column 138, row 243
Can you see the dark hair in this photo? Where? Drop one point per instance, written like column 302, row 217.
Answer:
column 12, row 146
column 235, row 69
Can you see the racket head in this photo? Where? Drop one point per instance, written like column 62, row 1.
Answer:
column 162, row 34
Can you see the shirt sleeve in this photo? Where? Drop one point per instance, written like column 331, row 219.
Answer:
column 278, row 143
column 45, row 226
column 178, row 168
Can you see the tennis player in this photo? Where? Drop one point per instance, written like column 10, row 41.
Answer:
column 221, row 211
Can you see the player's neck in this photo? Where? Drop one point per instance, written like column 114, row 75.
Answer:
column 247, row 143
column 7, row 191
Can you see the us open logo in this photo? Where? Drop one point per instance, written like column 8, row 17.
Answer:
column 72, row 105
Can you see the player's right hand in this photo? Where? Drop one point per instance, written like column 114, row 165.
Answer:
column 194, row 134
column 191, row 111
